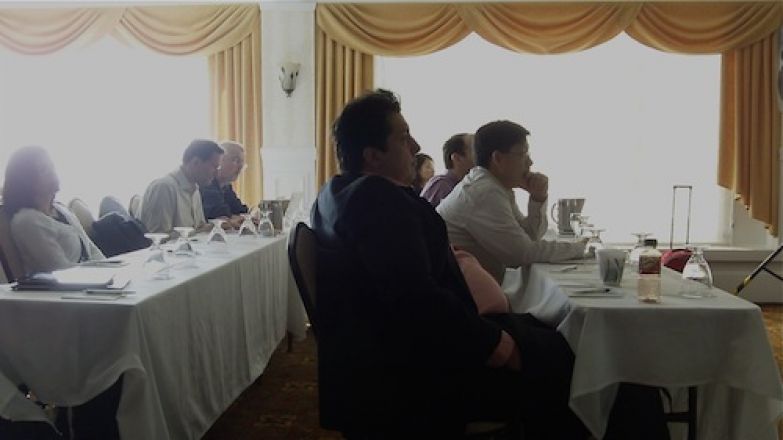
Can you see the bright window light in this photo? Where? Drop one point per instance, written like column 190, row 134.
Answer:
column 618, row 124
column 112, row 117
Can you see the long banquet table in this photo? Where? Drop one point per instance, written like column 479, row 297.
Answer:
column 185, row 347
column 719, row 344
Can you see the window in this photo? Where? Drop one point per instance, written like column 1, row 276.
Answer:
column 618, row 124
column 112, row 117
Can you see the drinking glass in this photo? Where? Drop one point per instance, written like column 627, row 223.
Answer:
column 217, row 236
column 265, row 226
column 183, row 247
column 638, row 248
column 583, row 224
column 575, row 220
column 247, row 227
column 155, row 263
column 697, row 275
column 594, row 242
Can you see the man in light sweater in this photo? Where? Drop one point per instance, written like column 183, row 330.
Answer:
column 481, row 213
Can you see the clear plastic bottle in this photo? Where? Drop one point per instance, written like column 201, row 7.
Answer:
column 649, row 284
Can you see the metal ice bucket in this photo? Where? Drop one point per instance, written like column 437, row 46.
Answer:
column 277, row 211
column 561, row 214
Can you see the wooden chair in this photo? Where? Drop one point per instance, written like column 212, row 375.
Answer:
column 9, row 254
column 134, row 206
column 82, row 212
column 303, row 258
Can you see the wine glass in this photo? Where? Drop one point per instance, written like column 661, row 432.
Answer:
column 247, row 227
column 638, row 248
column 583, row 224
column 575, row 220
column 594, row 243
column 697, row 275
column 217, row 236
column 265, row 226
column 156, row 264
column 183, row 247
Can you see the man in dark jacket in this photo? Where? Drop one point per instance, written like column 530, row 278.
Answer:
column 402, row 350
column 218, row 198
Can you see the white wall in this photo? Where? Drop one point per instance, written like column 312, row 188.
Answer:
column 288, row 153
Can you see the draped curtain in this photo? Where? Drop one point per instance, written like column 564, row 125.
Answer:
column 229, row 35
column 744, row 33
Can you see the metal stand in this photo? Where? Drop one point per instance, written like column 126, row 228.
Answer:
column 762, row 266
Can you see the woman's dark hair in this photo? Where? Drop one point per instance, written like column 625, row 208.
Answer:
column 421, row 159
column 20, row 173
column 496, row 136
column 363, row 123
column 455, row 144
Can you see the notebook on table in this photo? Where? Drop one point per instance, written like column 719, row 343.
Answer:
column 75, row 278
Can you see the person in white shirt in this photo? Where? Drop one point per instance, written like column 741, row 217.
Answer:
column 481, row 213
column 47, row 235
column 174, row 200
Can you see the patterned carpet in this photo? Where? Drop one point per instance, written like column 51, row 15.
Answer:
column 283, row 404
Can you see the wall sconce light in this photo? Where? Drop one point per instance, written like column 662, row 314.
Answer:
column 288, row 74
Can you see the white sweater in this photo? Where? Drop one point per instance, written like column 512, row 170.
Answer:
column 46, row 244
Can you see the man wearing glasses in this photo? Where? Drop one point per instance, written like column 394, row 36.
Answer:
column 219, row 198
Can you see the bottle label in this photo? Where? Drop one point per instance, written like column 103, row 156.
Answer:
column 649, row 264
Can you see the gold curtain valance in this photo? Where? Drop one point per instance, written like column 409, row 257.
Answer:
column 548, row 28
column 392, row 29
column 43, row 31
column 177, row 30
column 704, row 28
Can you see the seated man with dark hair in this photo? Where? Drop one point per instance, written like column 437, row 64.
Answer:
column 458, row 158
column 174, row 199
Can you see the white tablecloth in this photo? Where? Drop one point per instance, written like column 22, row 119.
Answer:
column 186, row 347
column 719, row 344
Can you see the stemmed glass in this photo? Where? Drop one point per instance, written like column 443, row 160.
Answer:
column 265, row 226
column 638, row 248
column 575, row 220
column 156, row 264
column 182, row 247
column 583, row 225
column 697, row 275
column 247, row 227
column 594, row 243
column 217, row 236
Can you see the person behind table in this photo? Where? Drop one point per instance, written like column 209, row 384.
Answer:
column 481, row 213
column 425, row 169
column 174, row 199
column 458, row 158
column 403, row 351
column 47, row 234
column 218, row 198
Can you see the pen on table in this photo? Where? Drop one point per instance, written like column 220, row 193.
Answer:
column 108, row 292
column 602, row 290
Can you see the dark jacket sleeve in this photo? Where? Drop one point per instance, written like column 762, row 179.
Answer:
column 213, row 202
column 235, row 205
column 420, row 318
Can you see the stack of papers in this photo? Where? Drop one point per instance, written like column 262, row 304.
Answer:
column 75, row 278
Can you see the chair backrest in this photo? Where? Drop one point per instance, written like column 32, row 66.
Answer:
column 9, row 255
column 134, row 206
column 82, row 212
column 111, row 204
column 303, row 257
